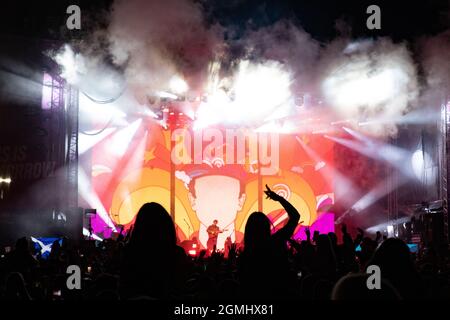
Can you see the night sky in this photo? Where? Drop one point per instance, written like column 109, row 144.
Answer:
column 401, row 19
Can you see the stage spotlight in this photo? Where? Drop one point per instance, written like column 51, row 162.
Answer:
column 390, row 231
column 5, row 180
column 88, row 139
column 378, row 150
column 378, row 192
column 388, row 226
column 423, row 167
column 86, row 233
column 319, row 165
column 121, row 139
column 260, row 88
column 92, row 199
column 190, row 113
column 213, row 111
column 150, row 113
column 178, row 85
column 339, row 122
column 344, row 185
column 167, row 95
column 421, row 116
column 257, row 93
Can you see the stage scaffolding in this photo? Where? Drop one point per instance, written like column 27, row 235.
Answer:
column 60, row 101
column 392, row 198
column 72, row 147
column 53, row 108
column 444, row 152
column 63, row 102
column 443, row 191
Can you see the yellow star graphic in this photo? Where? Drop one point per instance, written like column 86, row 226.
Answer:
column 149, row 155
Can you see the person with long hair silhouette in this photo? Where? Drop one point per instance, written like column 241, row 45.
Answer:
column 153, row 265
column 263, row 268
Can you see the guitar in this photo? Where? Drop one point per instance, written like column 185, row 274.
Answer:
column 213, row 233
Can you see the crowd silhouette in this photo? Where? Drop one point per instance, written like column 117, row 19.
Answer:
column 148, row 264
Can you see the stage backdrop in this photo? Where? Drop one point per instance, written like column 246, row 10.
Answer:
column 209, row 186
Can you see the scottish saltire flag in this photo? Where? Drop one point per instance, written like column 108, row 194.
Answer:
column 43, row 246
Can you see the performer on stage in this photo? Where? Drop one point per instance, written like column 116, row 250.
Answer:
column 213, row 232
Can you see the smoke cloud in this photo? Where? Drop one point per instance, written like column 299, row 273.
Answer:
column 435, row 55
column 288, row 44
column 157, row 40
column 370, row 82
column 151, row 43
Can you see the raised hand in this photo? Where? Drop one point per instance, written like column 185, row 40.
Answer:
column 232, row 252
column 307, row 232
column 316, row 235
column 272, row 195
column 288, row 229
column 378, row 237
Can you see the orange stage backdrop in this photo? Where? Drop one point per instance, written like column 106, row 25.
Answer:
column 124, row 178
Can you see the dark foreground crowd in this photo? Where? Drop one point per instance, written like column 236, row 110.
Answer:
column 149, row 265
